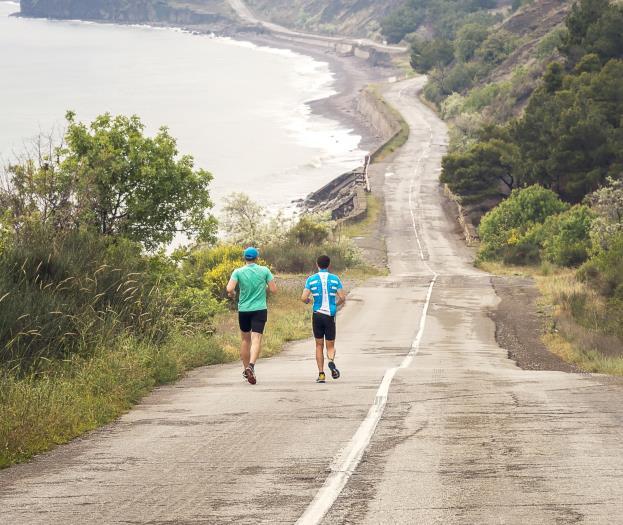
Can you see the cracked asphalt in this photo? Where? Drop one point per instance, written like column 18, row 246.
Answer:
column 466, row 436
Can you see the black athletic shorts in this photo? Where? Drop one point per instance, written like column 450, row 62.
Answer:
column 253, row 321
column 323, row 326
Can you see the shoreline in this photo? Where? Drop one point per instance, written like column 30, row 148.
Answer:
column 350, row 74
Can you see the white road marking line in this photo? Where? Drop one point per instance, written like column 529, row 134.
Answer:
column 345, row 464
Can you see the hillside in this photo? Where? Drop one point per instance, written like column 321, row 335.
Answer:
column 215, row 13
column 345, row 17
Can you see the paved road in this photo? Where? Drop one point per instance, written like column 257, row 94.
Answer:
column 462, row 435
column 243, row 11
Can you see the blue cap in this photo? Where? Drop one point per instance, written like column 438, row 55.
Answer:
column 251, row 253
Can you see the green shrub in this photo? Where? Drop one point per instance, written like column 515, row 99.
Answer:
column 308, row 230
column 566, row 236
column 496, row 47
column 216, row 278
column 504, row 227
column 482, row 97
column 461, row 77
column 549, row 44
column 292, row 257
column 216, row 264
column 605, row 271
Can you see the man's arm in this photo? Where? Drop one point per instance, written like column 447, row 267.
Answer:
column 306, row 297
column 341, row 297
column 231, row 287
column 272, row 286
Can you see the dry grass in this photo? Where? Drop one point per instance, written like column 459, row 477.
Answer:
column 366, row 225
column 578, row 330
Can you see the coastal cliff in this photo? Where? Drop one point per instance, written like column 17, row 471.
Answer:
column 131, row 11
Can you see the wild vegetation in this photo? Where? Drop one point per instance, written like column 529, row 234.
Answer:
column 93, row 310
column 536, row 147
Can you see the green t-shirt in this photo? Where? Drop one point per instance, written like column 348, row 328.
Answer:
column 252, row 280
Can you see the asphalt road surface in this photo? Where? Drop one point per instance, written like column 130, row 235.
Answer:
column 430, row 422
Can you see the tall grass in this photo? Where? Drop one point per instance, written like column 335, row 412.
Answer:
column 294, row 257
column 67, row 296
column 69, row 397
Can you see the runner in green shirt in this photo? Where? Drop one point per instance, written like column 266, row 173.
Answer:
column 252, row 280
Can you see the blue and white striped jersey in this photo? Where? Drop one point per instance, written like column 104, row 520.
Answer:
column 323, row 287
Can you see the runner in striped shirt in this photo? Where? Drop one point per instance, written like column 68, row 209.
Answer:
column 328, row 293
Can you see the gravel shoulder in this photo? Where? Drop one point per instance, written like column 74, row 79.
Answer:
column 519, row 325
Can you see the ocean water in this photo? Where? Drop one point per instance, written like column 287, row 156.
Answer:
column 239, row 109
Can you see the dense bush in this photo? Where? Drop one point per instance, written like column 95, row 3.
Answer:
column 69, row 294
column 505, row 229
column 468, row 39
column 569, row 137
column 605, row 271
column 566, row 236
column 496, row 47
column 310, row 230
column 293, row 257
column 443, row 17
column 427, row 54
column 480, row 171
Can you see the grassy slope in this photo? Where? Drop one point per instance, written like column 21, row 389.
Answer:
column 341, row 17
column 586, row 345
column 73, row 397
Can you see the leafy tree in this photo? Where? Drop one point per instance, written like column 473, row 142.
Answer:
column 571, row 140
column 401, row 22
column 246, row 222
column 426, row 55
column 136, row 186
column 483, row 170
column 468, row 39
column 111, row 179
column 552, row 80
column 593, row 26
column 442, row 17
column 496, row 47
column 242, row 219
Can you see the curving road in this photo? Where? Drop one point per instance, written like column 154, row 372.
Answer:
column 430, row 423
column 245, row 14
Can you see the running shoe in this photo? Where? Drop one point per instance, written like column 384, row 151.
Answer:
column 244, row 374
column 251, row 375
column 321, row 378
column 335, row 373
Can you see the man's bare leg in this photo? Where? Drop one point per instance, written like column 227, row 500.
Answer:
column 256, row 346
column 320, row 354
column 331, row 350
column 245, row 348
column 335, row 373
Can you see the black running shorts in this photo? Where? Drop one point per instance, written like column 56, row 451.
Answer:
column 324, row 326
column 253, row 321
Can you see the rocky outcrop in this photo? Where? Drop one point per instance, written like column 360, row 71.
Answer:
column 344, row 197
column 123, row 11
